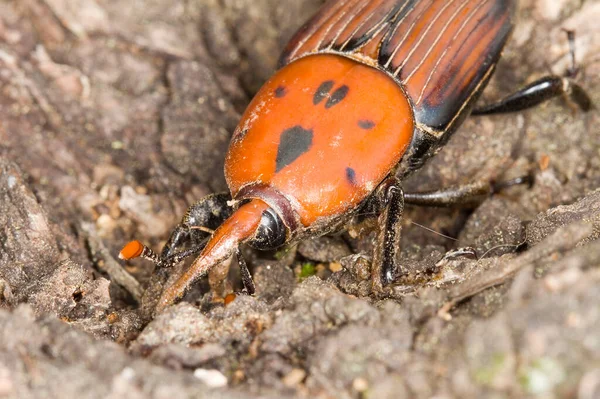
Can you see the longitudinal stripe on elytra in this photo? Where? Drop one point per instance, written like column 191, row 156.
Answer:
column 462, row 47
column 422, row 37
column 375, row 29
column 367, row 35
column 352, row 36
column 349, row 20
column 407, row 33
column 439, row 60
column 307, row 36
column 435, row 42
column 330, row 25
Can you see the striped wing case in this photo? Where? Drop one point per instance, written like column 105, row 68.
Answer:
column 441, row 51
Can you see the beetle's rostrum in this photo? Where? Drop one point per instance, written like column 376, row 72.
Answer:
column 367, row 91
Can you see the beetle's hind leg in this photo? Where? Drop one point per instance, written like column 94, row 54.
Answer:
column 542, row 90
column 536, row 93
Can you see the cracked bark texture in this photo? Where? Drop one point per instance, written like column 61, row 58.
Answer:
column 115, row 116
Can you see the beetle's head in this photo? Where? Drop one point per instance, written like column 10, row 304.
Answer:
column 254, row 223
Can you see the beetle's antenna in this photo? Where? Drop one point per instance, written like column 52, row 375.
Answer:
column 515, row 246
column 433, row 231
column 135, row 249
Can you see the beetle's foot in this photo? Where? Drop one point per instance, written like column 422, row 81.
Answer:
column 454, row 266
column 385, row 285
column 527, row 179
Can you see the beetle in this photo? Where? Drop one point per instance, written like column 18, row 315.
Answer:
column 367, row 91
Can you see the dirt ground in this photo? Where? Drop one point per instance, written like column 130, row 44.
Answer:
column 116, row 115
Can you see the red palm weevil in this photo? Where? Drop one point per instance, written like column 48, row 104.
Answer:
column 367, row 90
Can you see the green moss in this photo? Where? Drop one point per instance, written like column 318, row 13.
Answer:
column 307, row 269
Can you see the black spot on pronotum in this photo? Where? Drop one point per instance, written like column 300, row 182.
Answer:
column 337, row 96
column 280, row 91
column 293, row 142
column 322, row 91
column 351, row 176
column 366, row 124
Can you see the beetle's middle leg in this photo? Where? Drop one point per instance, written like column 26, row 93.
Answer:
column 468, row 194
column 464, row 195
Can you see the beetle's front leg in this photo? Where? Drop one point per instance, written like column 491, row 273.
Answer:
column 189, row 237
column 388, row 201
column 389, row 198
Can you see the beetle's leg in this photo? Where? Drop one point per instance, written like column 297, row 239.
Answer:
column 217, row 277
column 573, row 69
column 386, row 265
column 542, row 90
column 536, row 93
column 468, row 194
column 245, row 273
column 465, row 195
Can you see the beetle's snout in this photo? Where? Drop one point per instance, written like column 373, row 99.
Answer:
column 244, row 225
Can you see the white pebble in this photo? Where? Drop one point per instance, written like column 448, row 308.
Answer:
column 212, row 378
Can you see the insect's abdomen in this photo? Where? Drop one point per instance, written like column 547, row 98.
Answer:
column 324, row 131
column 440, row 51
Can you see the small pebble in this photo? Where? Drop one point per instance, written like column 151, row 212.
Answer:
column 294, row 377
column 212, row 378
column 335, row 267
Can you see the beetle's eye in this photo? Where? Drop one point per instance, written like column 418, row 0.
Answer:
column 271, row 232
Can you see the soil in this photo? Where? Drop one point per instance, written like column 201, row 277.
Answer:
column 116, row 115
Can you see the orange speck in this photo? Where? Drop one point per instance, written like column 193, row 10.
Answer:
column 229, row 298
column 131, row 250
column 544, row 162
column 112, row 318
